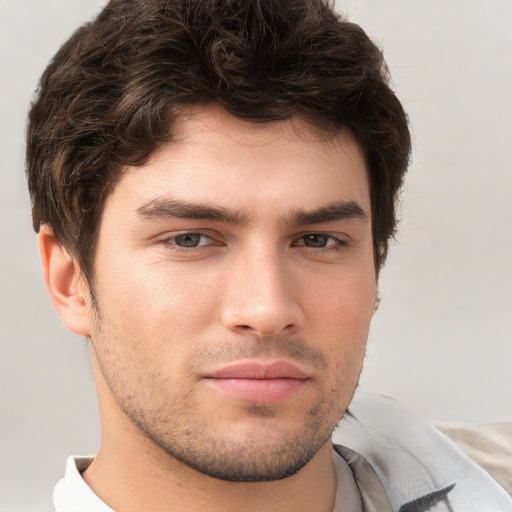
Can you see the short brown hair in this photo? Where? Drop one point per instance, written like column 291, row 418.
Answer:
column 110, row 97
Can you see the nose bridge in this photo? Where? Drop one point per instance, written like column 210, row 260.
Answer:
column 261, row 294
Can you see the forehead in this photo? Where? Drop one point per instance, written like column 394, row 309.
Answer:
column 210, row 126
column 209, row 117
column 215, row 157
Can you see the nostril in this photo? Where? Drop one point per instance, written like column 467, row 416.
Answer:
column 244, row 327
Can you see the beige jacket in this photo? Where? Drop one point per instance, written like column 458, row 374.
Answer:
column 402, row 463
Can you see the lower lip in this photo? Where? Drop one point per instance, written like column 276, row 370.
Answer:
column 259, row 390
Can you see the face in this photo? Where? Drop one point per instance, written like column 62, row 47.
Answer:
column 233, row 291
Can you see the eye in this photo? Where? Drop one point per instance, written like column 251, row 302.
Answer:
column 319, row 241
column 189, row 240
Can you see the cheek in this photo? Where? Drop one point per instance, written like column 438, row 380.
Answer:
column 164, row 306
column 340, row 319
column 344, row 300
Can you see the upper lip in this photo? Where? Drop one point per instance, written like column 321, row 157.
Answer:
column 259, row 370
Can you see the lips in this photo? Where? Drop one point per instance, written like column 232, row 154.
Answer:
column 256, row 370
column 263, row 382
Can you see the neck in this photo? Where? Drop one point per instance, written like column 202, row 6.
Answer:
column 140, row 478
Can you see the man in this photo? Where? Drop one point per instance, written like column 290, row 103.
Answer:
column 213, row 185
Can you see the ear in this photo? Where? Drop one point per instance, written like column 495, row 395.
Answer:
column 65, row 283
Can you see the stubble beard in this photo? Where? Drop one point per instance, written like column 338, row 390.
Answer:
column 254, row 460
column 187, row 436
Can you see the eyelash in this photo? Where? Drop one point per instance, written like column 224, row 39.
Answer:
column 170, row 241
column 336, row 246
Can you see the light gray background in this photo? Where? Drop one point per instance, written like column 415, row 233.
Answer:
column 442, row 339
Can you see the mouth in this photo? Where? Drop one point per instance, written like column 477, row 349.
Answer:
column 256, row 381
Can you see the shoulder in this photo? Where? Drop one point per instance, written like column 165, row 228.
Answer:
column 490, row 446
column 416, row 462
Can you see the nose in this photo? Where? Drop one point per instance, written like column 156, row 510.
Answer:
column 261, row 297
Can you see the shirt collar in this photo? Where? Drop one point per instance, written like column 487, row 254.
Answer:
column 72, row 494
column 372, row 492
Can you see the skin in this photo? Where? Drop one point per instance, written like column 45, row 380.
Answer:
column 175, row 299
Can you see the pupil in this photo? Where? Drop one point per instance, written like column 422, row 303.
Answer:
column 316, row 240
column 188, row 240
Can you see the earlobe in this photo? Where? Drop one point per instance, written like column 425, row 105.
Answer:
column 376, row 303
column 64, row 283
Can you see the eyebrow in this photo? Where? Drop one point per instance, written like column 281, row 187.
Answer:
column 337, row 211
column 167, row 207
column 164, row 207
